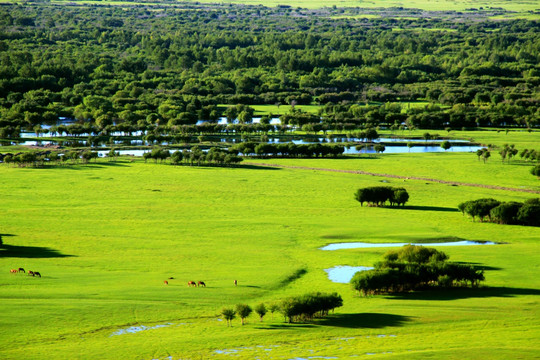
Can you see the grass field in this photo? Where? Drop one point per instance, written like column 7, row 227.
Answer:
column 433, row 5
column 105, row 237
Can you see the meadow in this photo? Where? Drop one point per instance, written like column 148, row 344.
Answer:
column 431, row 5
column 106, row 235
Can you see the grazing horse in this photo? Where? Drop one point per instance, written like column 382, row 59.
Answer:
column 30, row 273
column 191, row 283
column 13, row 271
column 166, row 282
column 37, row 274
column 21, row 270
column 201, row 283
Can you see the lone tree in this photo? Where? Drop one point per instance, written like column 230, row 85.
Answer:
column 228, row 314
column 243, row 311
column 536, row 170
column 446, row 145
column 261, row 310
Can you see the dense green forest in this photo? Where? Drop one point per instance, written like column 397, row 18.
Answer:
column 143, row 66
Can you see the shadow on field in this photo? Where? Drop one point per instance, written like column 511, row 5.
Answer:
column 285, row 326
column 29, row 252
column 426, row 208
column 256, row 167
column 364, row 320
column 478, row 266
column 456, row 294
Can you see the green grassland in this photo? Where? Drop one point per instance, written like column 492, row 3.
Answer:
column 432, row 5
column 105, row 236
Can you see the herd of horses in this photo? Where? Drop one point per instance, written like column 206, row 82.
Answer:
column 30, row 272
column 195, row 284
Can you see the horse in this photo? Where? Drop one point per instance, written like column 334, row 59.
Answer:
column 37, row 274
column 13, row 271
column 201, row 283
column 30, row 273
column 235, row 283
column 191, row 283
column 166, row 282
column 21, row 270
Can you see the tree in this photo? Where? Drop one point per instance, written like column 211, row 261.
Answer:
column 228, row 314
column 446, row 145
column 379, row 148
column 243, row 311
column 273, row 308
column 261, row 310
column 536, row 170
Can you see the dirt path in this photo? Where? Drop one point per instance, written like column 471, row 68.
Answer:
column 400, row 177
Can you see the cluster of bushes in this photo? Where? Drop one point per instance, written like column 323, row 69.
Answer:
column 515, row 213
column 308, row 306
column 297, row 308
column 379, row 195
column 214, row 156
column 287, row 149
column 412, row 268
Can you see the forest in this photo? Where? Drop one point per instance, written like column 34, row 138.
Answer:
column 148, row 67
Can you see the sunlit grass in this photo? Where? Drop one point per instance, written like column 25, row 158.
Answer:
column 106, row 236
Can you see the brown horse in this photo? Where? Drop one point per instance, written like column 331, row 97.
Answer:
column 21, row 270
column 13, row 271
column 30, row 273
column 166, row 282
column 191, row 283
column 201, row 283
column 235, row 283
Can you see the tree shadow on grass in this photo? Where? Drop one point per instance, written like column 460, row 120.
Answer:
column 352, row 321
column 285, row 326
column 426, row 208
column 34, row 252
column 465, row 293
column 478, row 266
column 364, row 320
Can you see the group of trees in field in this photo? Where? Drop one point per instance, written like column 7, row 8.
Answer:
column 263, row 149
column 41, row 158
column 297, row 308
column 379, row 195
column 414, row 268
column 194, row 156
column 513, row 212
column 173, row 64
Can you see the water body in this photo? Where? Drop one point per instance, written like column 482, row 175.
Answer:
column 136, row 329
column 358, row 245
column 392, row 149
column 344, row 274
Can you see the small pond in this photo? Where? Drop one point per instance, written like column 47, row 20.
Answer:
column 344, row 274
column 136, row 329
column 357, row 245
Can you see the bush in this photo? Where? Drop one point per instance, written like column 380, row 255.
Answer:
column 379, row 195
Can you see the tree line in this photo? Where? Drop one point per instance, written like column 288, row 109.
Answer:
column 379, row 195
column 414, row 268
column 512, row 212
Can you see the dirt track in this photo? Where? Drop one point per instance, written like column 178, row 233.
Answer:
column 400, row 177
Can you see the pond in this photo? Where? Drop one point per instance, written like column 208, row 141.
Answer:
column 358, row 245
column 136, row 329
column 391, row 149
column 343, row 274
